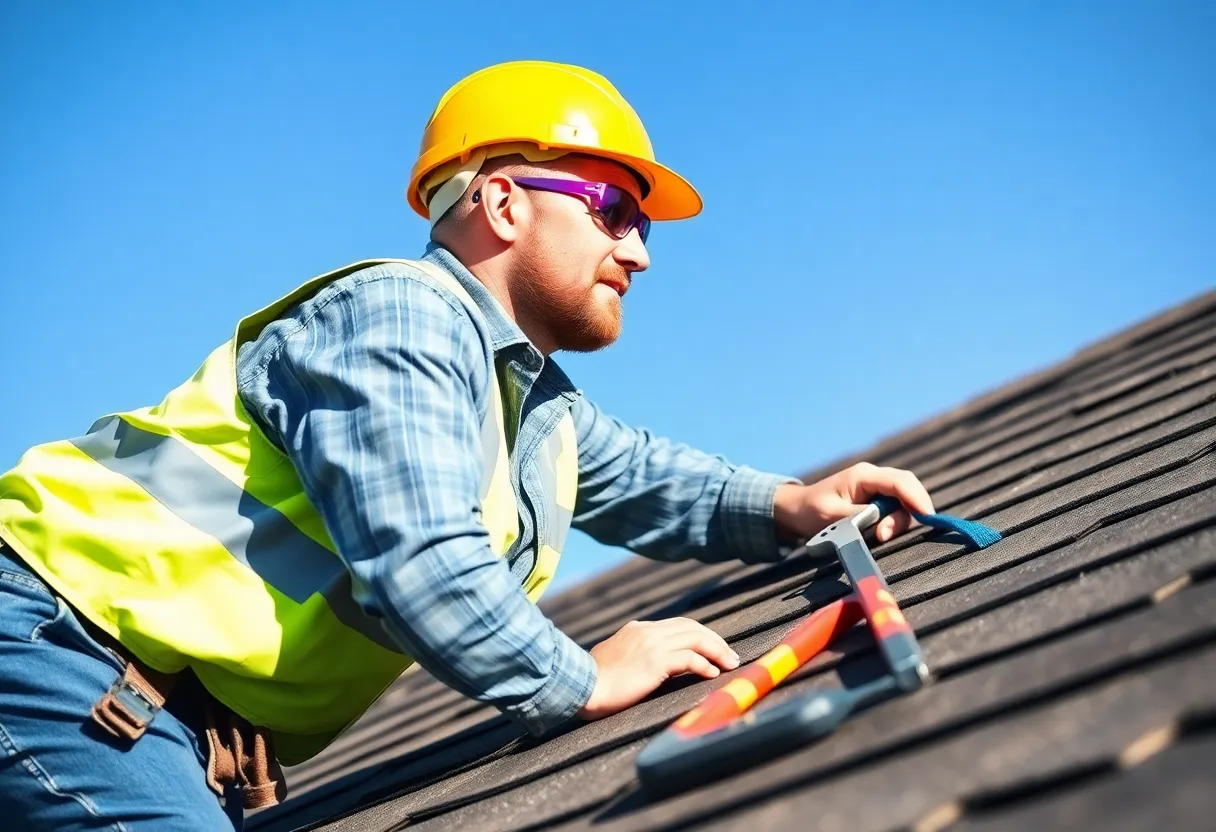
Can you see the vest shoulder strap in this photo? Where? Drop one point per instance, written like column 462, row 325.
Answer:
column 251, row 325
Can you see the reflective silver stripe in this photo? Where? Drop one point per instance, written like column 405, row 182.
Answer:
column 562, row 523
column 339, row 595
column 254, row 533
column 489, row 444
column 560, row 517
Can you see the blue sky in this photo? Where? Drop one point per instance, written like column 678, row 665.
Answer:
column 906, row 204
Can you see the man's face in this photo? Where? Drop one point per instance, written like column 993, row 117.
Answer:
column 573, row 274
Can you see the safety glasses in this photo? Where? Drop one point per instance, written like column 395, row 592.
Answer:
column 614, row 207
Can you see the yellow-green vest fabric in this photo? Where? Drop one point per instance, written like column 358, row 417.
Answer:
column 182, row 531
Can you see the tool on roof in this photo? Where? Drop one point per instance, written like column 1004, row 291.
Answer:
column 891, row 630
column 721, row 735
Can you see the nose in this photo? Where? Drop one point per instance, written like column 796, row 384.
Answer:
column 631, row 253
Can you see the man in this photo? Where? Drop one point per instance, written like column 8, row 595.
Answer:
column 378, row 469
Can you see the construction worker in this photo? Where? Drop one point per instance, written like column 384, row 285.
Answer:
column 378, row 469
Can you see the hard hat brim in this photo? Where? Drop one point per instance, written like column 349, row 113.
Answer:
column 671, row 196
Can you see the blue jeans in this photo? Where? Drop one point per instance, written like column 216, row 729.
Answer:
column 59, row 770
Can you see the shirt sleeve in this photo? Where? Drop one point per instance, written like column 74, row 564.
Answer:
column 374, row 398
column 666, row 500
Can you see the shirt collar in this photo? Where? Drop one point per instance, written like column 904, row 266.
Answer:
column 504, row 332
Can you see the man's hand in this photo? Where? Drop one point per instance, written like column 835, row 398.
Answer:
column 802, row 511
column 644, row 654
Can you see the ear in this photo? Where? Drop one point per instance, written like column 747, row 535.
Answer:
column 504, row 206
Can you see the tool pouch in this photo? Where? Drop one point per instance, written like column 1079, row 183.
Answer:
column 238, row 754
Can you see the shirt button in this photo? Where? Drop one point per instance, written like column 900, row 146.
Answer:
column 532, row 361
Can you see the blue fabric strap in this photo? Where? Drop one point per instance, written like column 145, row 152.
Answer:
column 977, row 534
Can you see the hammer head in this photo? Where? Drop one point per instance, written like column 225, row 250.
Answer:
column 895, row 638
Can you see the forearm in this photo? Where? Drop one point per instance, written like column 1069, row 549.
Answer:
column 457, row 610
column 668, row 501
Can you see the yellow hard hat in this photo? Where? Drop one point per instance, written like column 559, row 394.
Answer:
column 556, row 107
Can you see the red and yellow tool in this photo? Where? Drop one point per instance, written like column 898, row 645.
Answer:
column 804, row 642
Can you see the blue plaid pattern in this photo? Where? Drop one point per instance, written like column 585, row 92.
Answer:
column 375, row 389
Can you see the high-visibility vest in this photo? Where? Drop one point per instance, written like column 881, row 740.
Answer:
column 182, row 531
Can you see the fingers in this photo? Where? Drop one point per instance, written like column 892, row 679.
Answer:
column 690, row 661
column 686, row 634
column 872, row 481
column 892, row 526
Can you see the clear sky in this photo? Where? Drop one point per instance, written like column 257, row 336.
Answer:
column 907, row 204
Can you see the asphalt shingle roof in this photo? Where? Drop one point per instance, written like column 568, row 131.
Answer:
column 1074, row 661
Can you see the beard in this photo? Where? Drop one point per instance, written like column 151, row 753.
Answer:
column 577, row 318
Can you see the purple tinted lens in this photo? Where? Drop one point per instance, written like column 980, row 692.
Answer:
column 620, row 214
column 643, row 226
